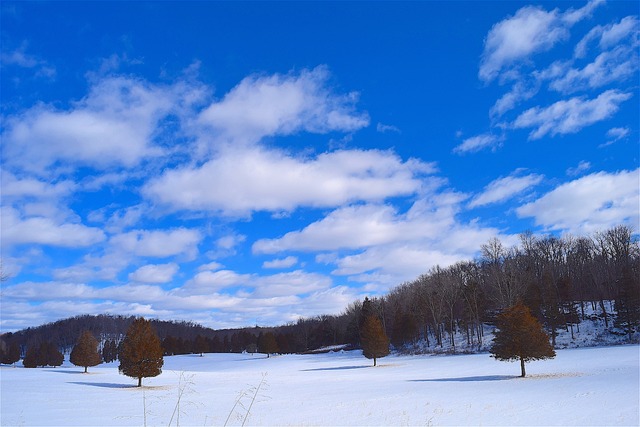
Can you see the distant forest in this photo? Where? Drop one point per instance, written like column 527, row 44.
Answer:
column 557, row 278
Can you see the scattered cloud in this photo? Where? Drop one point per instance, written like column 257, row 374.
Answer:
column 20, row 58
column 570, row 116
column 261, row 106
column 615, row 134
column 531, row 30
column 155, row 273
column 502, row 189
column 242, row 181
column 588, row 204
column 159, row 243
column 113, row 126
column 382, row 128
column 19, row 230
column 478, row 143
column 583, row 166
column 287, row 262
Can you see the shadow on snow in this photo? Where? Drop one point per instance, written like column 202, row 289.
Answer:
column 105, row 385
column 465, row 379
column 336, row 368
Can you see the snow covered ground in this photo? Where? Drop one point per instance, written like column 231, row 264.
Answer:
column 587, row 386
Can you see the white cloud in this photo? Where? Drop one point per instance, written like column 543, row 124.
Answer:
column 113, row 126
column 159, row 243
column 20, row 58
column 212, row 281
column 477, row 143
column 570, row 116
column 503, row 189
column 292, row 283
column 614, row 33
column 521, row 91
column 382, row 128
column 531, row 30
column 262, row 106
column 614, row 135
column 41, row 230
column 350, row 227
column 155, row 273
column 617, row 133
column 241, row 181
column 30, row 187
column 390, row 246
column 592, row 203
column 210, row 266
column 616, row 65
column 287, row 262
column 583, row 166
column 572, row 16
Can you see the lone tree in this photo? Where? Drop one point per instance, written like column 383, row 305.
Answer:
column 267, row 344
column 141, row 353
column 520, row 336
column 373, row 339
column 85, row 352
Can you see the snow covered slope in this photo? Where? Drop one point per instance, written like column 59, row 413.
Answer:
column 589, row 386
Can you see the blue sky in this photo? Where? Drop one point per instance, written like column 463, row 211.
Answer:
column 242, row 163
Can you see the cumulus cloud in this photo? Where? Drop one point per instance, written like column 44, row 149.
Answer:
column 293, row 283
column 14, row 187
column 570, row 116
column 385, row 243
column 261, row 106
column 503, row 189
column 588, row 204
column 17, row 230
column 531, row 30
column 155, row 273
column 614, row 65
column 159, row 243
column 112, row 126
column 287, row 262
column 242, row 181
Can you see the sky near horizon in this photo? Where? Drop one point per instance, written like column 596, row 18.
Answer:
column 242, row 163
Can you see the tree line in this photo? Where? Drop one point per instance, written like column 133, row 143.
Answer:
column 556, row 278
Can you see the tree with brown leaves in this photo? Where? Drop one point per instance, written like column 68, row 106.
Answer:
column 85, row 352
column 520, row 337
column 141, row 354
column 374, row 340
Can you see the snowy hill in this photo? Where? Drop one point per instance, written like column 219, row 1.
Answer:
column 593, row 331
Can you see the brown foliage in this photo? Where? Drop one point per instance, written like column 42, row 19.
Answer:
column 141, row 354
column 375, row 342
column 520, row 337
column 85, row 352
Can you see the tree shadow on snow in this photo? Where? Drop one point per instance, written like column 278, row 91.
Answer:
column 64, row 371
column 104, row 385
column 336, row 368
column 472, row 379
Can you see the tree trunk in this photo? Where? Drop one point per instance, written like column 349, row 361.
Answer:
column 139, row 381
column 85, row 369
column 374, row 361
column 523, row 373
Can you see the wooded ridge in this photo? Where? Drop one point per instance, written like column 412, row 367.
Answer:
column 563, row 281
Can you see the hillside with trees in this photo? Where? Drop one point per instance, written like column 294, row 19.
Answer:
column 569, row 284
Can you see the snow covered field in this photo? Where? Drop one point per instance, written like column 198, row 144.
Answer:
column 588, row 386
